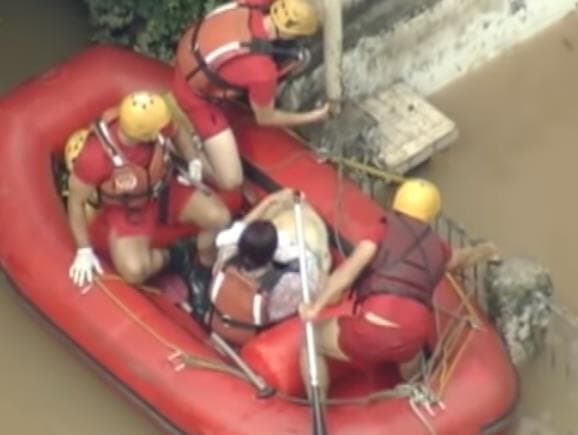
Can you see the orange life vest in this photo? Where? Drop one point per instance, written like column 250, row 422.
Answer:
column 410, row 262
column 222, row 35
column 239, row 302
column 131, row 185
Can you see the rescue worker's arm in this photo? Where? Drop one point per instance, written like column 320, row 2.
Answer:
column 85, row 264
column 274, row 199
column 471, row 255
column 343, row 277
column 270, row 116
column 79, row 194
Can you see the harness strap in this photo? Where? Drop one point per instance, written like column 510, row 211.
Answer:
column 419, row 246
column 256, row 45
column 202, row 63
column 234, row 323
column 266, row 283
column 103, row 133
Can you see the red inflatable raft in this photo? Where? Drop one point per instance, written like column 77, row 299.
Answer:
column 129, row 335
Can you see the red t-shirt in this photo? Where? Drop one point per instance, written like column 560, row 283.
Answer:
column 94, row 166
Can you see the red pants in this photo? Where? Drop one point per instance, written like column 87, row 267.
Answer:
column 207, row 118
column 121, row 222
column 368, row 344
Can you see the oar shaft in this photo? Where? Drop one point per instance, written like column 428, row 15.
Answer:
column 316, row 396
column 258, row 382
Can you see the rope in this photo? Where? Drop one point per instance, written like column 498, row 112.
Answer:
column 401, row 391
column 186, row 358
column 431, row 430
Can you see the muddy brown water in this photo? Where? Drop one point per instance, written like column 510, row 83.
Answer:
column 508, row 178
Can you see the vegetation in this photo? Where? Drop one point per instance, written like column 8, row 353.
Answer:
column 152, row 27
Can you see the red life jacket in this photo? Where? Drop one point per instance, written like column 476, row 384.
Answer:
column 239, row 302
column 222, row 35
column 131, row 185
column 410, row 262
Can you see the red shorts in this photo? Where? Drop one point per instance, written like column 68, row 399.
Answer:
column 207, row 118
column 121, row 222
column 367, row 344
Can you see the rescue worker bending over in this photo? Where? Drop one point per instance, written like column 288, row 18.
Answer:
column 124, row 161
column 394, row 271
column 256, row 277
column 230, row 53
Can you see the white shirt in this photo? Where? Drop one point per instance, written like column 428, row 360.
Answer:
column 285, row 298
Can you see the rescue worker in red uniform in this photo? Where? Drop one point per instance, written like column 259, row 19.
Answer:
column 230, row 53
column 393, row 274
column 124, row 161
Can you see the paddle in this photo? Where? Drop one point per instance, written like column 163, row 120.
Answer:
column 318, row 412
column 264, row 390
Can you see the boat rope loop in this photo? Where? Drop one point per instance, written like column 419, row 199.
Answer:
column 416, row 392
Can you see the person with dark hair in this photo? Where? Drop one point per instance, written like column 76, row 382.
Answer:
column 257, row 244
column 256, row 279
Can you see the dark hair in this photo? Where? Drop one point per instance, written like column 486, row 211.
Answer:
column 257, row 244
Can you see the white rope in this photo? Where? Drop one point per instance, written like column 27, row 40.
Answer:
column 422, row 418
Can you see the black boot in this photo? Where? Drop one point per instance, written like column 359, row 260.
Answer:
column 199, row 282
column 181, row 254
column 183, row 260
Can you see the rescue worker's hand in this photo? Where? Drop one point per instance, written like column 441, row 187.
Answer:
column 487, row 251
column 284, row 195
column 308, row 312
column 84, row 267
column 322, row 113
column 195, row 170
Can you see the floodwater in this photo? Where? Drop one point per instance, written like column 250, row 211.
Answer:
column 508, row 178
column 45, row 389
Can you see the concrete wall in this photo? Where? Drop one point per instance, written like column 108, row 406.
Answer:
column 428, row 43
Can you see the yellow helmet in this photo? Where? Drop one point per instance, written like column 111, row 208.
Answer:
column 142, row 115
column 419, row 199
column 74, row 146
column 294, row 17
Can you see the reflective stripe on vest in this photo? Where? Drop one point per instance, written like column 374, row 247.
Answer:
column 132, row 185
column 247, row 292
column 206, row 46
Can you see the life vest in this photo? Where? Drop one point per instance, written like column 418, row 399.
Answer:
column 410, row 262
column 222, row 35
column 131, row 185
column 239, row 302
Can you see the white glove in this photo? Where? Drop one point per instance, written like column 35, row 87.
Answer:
column 196, row 170
column 84, row 265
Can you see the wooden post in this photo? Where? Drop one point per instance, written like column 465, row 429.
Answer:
column 332, row 50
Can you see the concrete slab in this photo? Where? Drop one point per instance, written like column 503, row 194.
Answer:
column 409, row 129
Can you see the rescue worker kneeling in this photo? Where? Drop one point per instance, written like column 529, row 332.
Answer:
column 393, row 276
column 125, row 161
column 256, row 280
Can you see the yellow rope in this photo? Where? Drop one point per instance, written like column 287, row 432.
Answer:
column 445, row 372
column 106, row 290
column 186, row 358
column 379, row 173
column 472, row 312
column 444, row 382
